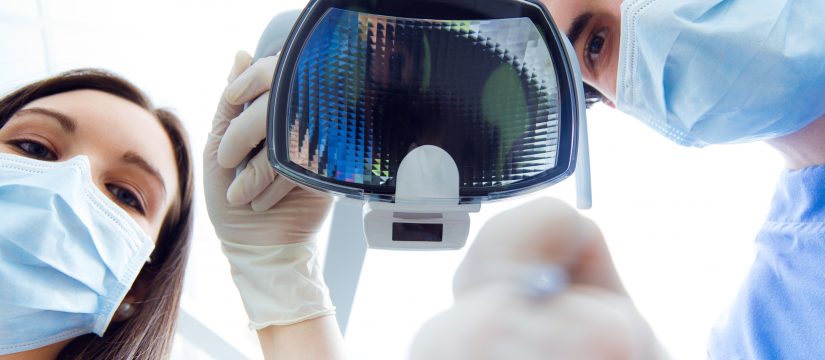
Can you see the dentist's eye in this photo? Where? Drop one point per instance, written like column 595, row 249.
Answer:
column 594, row 47
column 126, row 197
column 34, row 149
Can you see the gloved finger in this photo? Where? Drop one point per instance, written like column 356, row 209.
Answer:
column 253, row 180
column 242, row 62
column 227, row 111
column 244, row 133
column 217, row 179
column 253, row 82
column 274, row 193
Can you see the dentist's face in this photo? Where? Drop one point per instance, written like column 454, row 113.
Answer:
column 594, row 28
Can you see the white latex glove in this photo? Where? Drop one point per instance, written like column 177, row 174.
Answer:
column 497, row 316
column 265, row 222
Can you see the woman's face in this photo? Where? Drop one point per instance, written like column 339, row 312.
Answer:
column 131, row 156
column 594, row 28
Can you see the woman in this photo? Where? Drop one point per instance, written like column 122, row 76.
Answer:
column 99, row 274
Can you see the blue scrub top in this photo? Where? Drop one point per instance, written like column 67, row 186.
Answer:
column 779, row 312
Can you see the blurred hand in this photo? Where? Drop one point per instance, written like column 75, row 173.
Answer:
column 544, row 231
column 495, row 317
column 263, row 220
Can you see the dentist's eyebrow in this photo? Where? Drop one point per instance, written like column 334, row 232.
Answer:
column 578, row 26
column 131, row 157
column 68, row 124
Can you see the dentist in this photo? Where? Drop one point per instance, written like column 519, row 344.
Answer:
column 699, row 72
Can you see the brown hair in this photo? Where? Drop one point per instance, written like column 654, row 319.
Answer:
column 147, row 334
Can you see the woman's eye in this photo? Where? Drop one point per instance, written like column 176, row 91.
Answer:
column 126, row 197
column 35, row 149
column 593, row 48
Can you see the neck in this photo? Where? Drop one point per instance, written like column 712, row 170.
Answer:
column 803, row 148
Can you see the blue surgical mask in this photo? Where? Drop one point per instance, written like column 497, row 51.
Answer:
column 722, row 71
column 68, row 254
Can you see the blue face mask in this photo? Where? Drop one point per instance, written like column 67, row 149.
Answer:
column 720, row 71
column 68, row 254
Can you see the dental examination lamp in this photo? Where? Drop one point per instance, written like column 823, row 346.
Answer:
column 421, row 110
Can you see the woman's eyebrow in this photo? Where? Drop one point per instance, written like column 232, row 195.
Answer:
column 67, row 123
column 131, row 157
column 578, row 26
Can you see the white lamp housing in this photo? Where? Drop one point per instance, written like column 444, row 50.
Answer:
column 426, row 214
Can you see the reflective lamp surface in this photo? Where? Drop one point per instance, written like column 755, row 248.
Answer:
column 367, row 89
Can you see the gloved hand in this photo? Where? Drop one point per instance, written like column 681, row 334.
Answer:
column 265, row 222
column 497, row 313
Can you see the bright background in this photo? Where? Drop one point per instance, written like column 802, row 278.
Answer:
column 679, row 221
